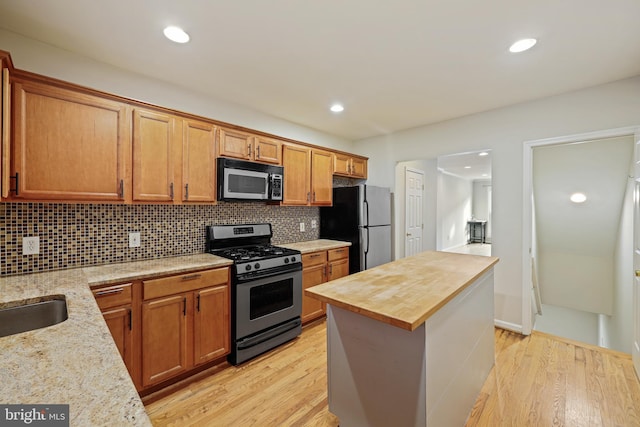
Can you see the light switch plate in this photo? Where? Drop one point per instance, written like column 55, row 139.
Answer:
column 314, row 223
column 30, row 245
column 134, row 240
column 302, row 227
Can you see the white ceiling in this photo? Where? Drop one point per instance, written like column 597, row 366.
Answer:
column 471, row 166
column 394, row 65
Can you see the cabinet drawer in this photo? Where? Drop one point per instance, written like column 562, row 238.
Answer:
column 338, row 253
column 155, row 288
column 113, row 296
column 314, row 258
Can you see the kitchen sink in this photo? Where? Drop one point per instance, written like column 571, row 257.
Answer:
column 27, row 317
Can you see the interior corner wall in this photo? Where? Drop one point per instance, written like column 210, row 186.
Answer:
column 454, row 210
column 504, row 131
column 618, row 328
column 35, row 56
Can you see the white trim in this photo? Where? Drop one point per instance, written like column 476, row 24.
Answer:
column 508, row 326
column 527, row 194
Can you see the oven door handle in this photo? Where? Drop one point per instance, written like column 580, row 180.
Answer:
column 265, row 336
column 266, row 275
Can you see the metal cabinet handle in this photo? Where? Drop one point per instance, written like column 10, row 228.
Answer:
column 186, row 191
column 108, row 292
column 249, row 150
column 258, row 150
column 191, row 277
column 130, row 320
column 184, row 306
column 198, row 303
column 121, row 189
column 171, row 190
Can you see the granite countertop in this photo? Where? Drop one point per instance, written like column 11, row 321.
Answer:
column 316, row 245
column 76, row 362
column 406, row 292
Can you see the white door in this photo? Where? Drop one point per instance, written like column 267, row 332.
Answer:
column 635, row 348
column 413, row 190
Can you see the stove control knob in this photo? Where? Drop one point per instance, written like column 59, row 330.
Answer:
column 286, row 260
column 293, row 259
column 257, row 265
column 248, row 267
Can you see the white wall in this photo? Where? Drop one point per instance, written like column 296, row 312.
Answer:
column 618, row 327
column 31, row 55
column 568, row 323
column 504, row 131
column 454, row 210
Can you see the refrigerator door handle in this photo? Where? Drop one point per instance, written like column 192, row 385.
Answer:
column 366, row 246
column 366, row 213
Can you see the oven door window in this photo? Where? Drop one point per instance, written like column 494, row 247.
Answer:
column 270, row 298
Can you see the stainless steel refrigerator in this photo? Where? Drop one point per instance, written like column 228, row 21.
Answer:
column 361, row 215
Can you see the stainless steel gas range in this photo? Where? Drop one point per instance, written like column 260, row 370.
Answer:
column 266, row 288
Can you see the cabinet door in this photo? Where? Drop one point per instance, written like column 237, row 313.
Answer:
column 154, row 136
column 321, row 178
column 68, row 145
column 164, row 338
column 212, row 329
column 297, row 172
column 311, row 276
column 5, row 115
column 339, row 268
column 268, row 150
column 342, row 164
column 359, row 168
column 234, row 143
column 120, row 323
column 198, row 161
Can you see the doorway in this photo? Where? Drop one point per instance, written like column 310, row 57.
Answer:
column 464, row 203
column 579, row 252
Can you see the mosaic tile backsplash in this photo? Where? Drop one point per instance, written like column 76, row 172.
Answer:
column 80, row 235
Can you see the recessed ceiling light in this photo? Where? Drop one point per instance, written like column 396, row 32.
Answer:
column 176, row 34
column 522, row 45
column 467, row 167
column 337, row 108
column 484, row 153
column 578, row 198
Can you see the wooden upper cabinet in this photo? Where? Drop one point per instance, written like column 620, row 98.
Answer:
column 247, row 146
column 198, row 162
column 267, row 150
column 321, row 178
column 349, row 166
column 67, row 145
column 236, row 144
column 297, row 174
column 155, row 134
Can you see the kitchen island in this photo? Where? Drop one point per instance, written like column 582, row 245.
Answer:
column 409, row 343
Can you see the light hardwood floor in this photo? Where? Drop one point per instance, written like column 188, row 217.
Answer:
column 538, row 381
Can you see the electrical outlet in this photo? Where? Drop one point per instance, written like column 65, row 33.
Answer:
column 314, row 223
column 134, row 240
column 30, row 245
column 302, row 227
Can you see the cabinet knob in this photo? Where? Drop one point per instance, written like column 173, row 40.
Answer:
column 637, row 273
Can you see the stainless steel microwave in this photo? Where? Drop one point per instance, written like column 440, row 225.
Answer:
column 243, row 180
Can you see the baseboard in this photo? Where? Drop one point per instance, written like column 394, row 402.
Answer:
column 508, row 326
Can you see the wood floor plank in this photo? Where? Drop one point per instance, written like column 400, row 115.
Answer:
column 538, row 380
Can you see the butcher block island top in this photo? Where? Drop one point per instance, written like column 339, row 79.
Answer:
column 406, row 292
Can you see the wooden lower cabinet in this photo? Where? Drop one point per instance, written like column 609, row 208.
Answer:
column 119, row 311
column 183, row 330
column 320, row 267
column 211, row 329
column 164, row 338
